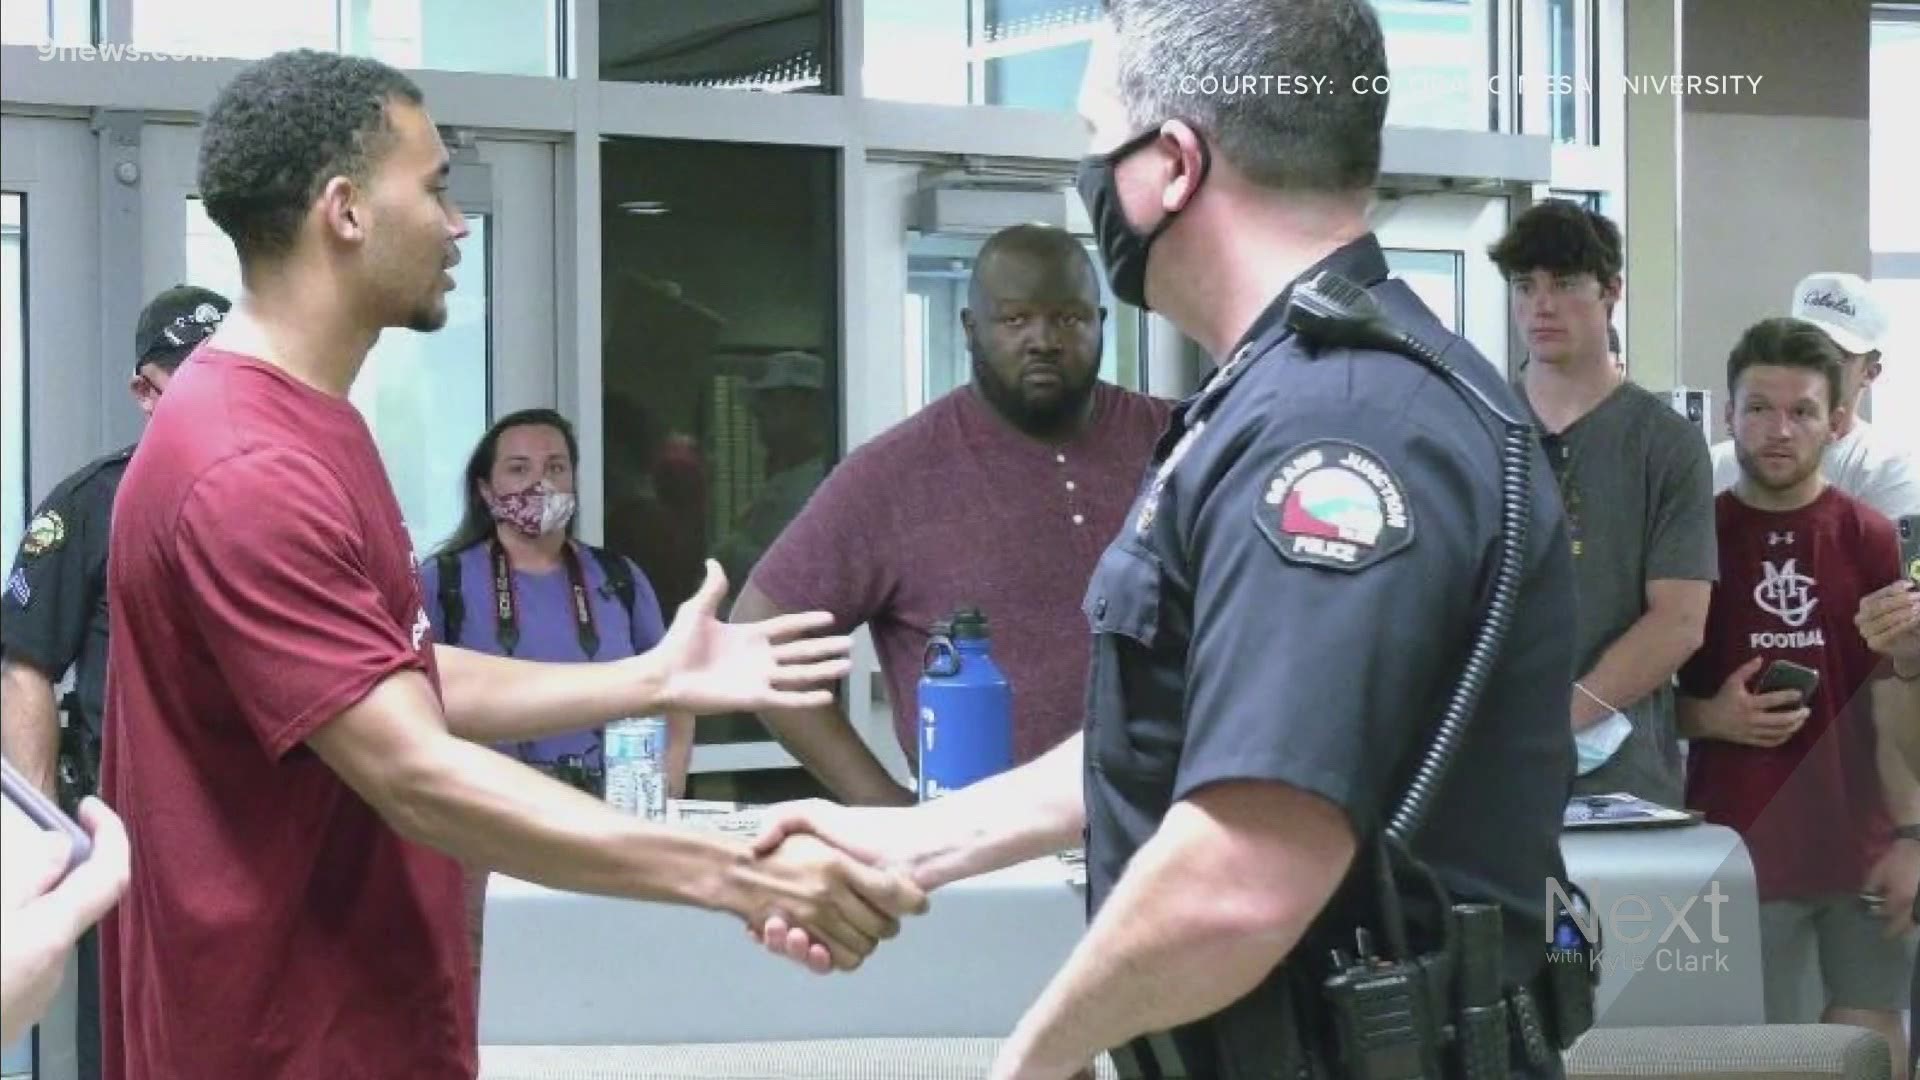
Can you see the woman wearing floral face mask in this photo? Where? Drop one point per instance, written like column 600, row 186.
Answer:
column 513, row 581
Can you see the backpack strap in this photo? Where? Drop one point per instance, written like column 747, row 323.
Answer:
column 453, row 607
column 619, row 576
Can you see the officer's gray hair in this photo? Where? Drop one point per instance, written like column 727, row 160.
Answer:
column 1176, row 57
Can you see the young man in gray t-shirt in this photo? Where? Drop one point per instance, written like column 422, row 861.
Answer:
column 1638, row 483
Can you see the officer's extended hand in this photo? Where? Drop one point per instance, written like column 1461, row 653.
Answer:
column 719, row 667
column 1737, row 715
column 1889, row 620
column 844, row 906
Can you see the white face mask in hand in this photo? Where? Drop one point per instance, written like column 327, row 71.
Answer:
column 1597, row 745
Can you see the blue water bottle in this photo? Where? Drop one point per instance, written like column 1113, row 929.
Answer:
column 966, row 708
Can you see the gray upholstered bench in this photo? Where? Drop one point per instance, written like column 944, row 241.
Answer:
column 1778, row 1052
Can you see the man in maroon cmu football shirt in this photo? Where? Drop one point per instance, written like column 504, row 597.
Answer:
column 1812, row 790
column 285, row 739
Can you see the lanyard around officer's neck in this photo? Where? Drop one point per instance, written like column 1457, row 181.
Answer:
column 506, row 607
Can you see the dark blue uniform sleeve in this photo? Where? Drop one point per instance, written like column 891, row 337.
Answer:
column 1337, row 563
column 56, row 582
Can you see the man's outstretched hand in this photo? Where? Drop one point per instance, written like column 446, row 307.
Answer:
column 719, row 667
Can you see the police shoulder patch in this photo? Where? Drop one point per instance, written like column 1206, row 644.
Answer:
column 1336, row 505
column 44, row 533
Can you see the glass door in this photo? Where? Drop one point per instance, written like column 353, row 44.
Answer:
column 1438, row 245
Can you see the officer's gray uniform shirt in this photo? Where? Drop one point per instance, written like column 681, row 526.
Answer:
column 1637, row 481
column 53, row 614
column 1297, row 608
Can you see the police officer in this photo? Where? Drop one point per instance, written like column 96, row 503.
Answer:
column 1286, row 615
column 55, row 606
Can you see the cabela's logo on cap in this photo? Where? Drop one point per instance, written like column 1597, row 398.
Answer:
column 1832, row 301
column 1336, row 505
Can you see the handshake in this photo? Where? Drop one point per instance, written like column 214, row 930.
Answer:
column 824, row 884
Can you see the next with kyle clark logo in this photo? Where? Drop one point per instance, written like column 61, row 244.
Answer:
column 1631, row 921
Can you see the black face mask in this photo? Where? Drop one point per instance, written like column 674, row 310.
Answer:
column 1123, row 250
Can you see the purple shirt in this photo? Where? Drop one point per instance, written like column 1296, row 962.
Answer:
column 547, row 629
column 953, row 508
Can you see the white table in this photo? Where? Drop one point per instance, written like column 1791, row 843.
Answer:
column 1639, row 880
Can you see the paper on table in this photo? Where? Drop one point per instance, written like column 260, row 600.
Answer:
column 1621, row 810
column 724, row 817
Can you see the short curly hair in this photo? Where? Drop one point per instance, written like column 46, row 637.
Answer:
column 1560, row 237
column 281, row 130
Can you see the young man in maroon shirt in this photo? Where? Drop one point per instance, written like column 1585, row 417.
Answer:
column 287, row 743
column 1000, row 495
column 1812, row 788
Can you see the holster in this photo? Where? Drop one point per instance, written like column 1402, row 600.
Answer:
column 77, row 765
column 1525, row 1028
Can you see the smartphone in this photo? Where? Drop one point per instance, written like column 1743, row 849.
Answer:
column 42, row 812
column 1787, row 675
column 1910, row 546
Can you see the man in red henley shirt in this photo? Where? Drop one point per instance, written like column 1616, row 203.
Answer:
column 1000, row 495
column 284, row 738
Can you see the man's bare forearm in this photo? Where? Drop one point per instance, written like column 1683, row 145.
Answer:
column 491, row 699
column 1639, row 662
column 1205, row 910
column 1034, row 810
column 29, row 722
column 488, row 810
column 823, row 740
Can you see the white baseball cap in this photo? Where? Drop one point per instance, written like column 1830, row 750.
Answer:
column 1843, row 305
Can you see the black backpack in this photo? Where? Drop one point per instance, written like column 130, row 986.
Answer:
column 453, row 606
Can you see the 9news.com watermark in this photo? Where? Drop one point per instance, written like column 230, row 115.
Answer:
column 115, row 53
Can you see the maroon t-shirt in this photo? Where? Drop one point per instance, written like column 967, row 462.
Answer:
column 262, row 582
column 954, row 508
column 1811, row 809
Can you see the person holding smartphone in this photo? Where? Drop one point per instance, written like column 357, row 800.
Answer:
column 1782, row 700
column 45, row 906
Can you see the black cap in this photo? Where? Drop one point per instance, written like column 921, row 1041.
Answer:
column 175, row 323
column 968, row 623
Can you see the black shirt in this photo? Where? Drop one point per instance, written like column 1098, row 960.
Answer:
column 54, row 612
column 1295, row 603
